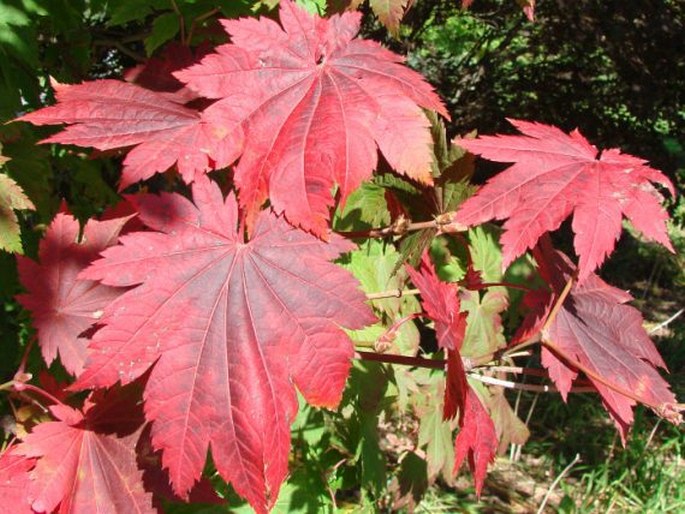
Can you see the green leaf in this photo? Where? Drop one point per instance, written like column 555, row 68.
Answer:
column 484, row 331
column 373, row 264
column 486, row 252
column 164, row 28
column 435, row 434
column 12, row 198
column 124, row 11
column 365, row 208
column 412, row 480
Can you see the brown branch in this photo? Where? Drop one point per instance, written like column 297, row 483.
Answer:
column 400, row 227
column 389, row 358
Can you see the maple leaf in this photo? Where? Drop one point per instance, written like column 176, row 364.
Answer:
column 14, row 480
column 86, row 462
column 312, row 100
column 11, row 197
column 477, row 440
column 596, row 329
column 107, row 114
column 554, row 175
column 62, row 305
column 441, row 304
column 229, row 324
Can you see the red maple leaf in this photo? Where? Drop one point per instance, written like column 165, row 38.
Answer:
column 107, row 114
column 441, row 304
column 86, row 462
column 312, row 101
column 597, row 330
column 62, row 305
column 14, row 481
column 554, row 175
column 229, row 325
column 477, row 439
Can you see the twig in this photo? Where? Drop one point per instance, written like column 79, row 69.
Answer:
column 563, row 473
column 393, row 293
column 667, row 322
column 390, row 358
column 399, row 228
column 536, row 388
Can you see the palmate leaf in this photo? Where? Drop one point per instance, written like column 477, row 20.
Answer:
column 477, row 438
column 86, row 461
column 597, row 329
column 314, row 103
column 554, row 175
column 14, row 481
column 230, row 326
column 108, row 114
column 62, row 305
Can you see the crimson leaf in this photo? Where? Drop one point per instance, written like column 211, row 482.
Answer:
column 596, row 329
column 554, row 175
column 86, row 462
column 107, row 114
column 312, row 101
column 62, row 305
column 229, row 325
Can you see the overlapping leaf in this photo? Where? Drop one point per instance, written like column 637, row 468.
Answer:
column 441, row 304
column 596, row 329
column 229, row 324
column 14, row 481
column 107, row 114
column 86, row 462
column 62, row 305
column 314, row 102
column 554, row 175
column 476, row 440
column 11, row 197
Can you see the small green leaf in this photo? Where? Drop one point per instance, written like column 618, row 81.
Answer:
column 164, row 28
column 365, row 208
column 12, row 198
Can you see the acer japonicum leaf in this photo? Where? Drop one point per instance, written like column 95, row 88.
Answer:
column 86, row 461
column 62, row 305
column 11, row 197
column 313, row 102
column 476, row 440
column 14, row 481
column 441, row 304
column 230, row 326
column 554, row 175
column 596, row 330
column 108, row 114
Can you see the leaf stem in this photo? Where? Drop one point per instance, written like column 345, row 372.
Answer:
column 661, row 409
column 557, row 306
column 405, row 360
column 392, row 293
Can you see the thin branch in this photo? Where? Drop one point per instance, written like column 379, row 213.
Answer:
column 557, row 305
column 563, row 473
column 661, row 409
column 399, row 227
column 535, row 388
column 664, row 324
column 393, row 293
column 200, row 19
column 119, row 46
column 389, row 358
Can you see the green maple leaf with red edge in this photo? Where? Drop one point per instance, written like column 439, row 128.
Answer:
column 231, row 327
